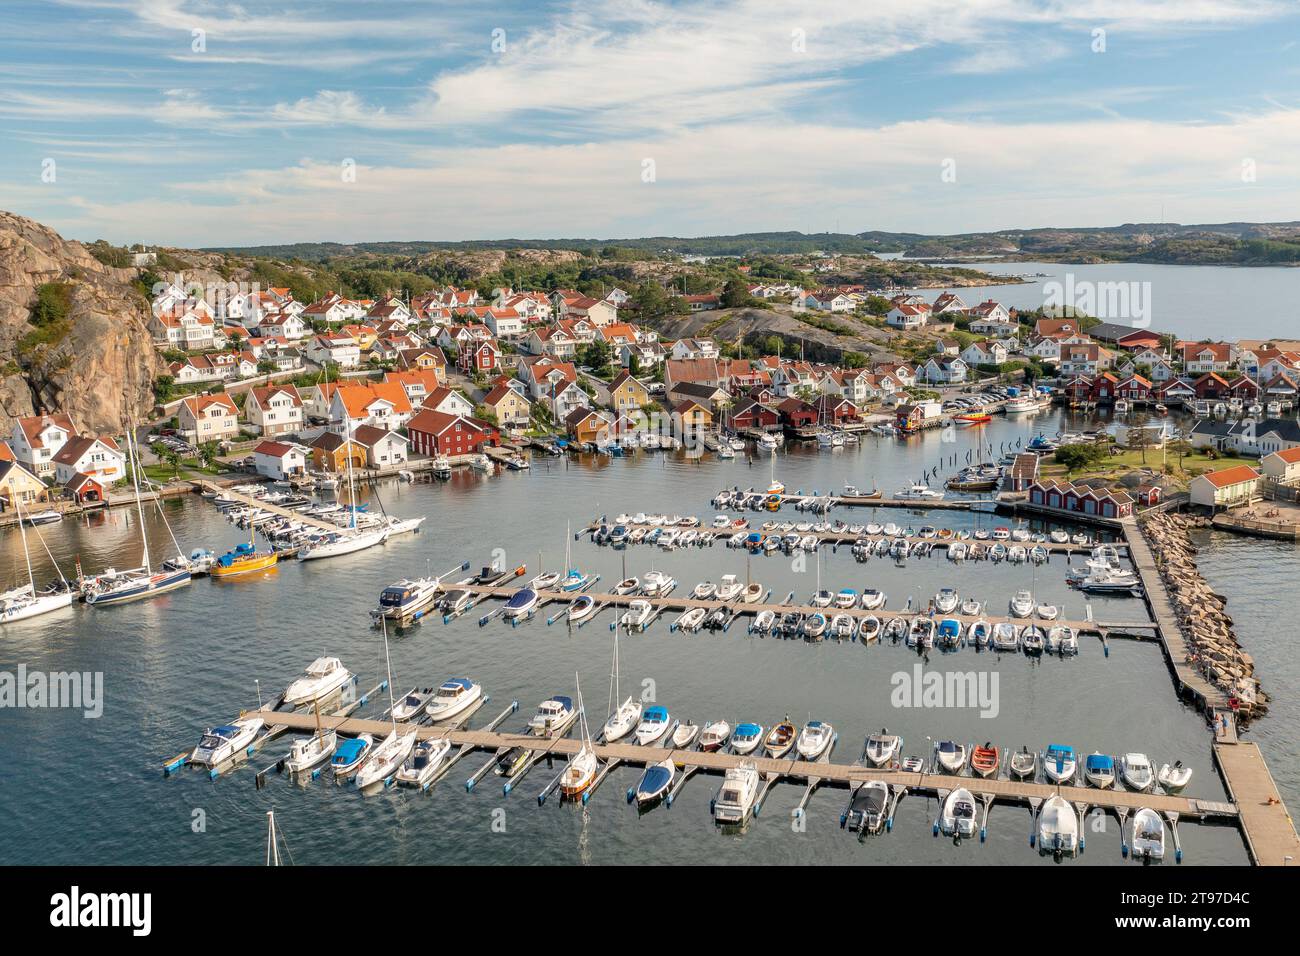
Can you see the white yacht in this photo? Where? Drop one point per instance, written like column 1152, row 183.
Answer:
column 623, row 718
column 424, row 763
column 221, row 743
column 735, row 799
column 1136, row 772
column 453, row 698
column 324, row 676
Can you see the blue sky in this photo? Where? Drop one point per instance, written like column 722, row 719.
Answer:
column 201, row 122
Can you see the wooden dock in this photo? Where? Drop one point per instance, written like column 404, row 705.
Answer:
column 1188, row 679
column 1266, row 824
column 686, row 603
column 267, row 506
column 846, row 775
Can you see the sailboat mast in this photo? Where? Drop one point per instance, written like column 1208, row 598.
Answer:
column 139, row 506
column 272, row 847
column 388, row 662
column 23, row 531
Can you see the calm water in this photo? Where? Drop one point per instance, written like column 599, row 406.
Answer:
column 1194, row 302
column 77, row 790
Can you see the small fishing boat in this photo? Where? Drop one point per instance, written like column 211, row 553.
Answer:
column 453, row 698
column 869, row 628
column 752, row 593
column 1023, row 764
column 958, row 817
column 814, row 739
column 306, row 753
column 1058, row 827
column 1006, row 637
column 350, row 754
column 554, row 716
column 896, row 629
column 637, row 615
column 714, row 736
column 654, row 782
column 544, row 581
column 949, row 633
column 219, row 744
column 521, row 604
column 1048, row 612
column 1063, row 640
column 735, row 799
column 881, row 749
column 814, row 626
column 945, row 602
column 704, row 591
column 1175, row 777
column 780, row 739
column 764, row 621
column 424, row 763
column 1022, row 605
column 1033, row 639
column 986, row 760
column 746, row 738
column 921, row 633
column 843, row 626
column 685, row 735
column 1059, row 763
column 1099, row 770
column 872, row 600
column 867, row 807
column 692, row 620
column 981, row 633
column 951, row 755
column 582, row 607
column 324, row 676
column 628, row 586
column 410, row 706
column 1148, row 835
column 1136, row 772
column 653, row 726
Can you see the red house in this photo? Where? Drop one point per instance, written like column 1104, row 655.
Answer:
column 1080, row 499
column 1078, row 389
column 1134, row 388
column 1212, row 385
column 479, row 356
column 1244, row 388
column 437, row 433
column 1104, row 388
column 1139, row 340
column 796, row 413
column 836, row 410
column 751, row 413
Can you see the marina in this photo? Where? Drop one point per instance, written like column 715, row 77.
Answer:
column 681, row 663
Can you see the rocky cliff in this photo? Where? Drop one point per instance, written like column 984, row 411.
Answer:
column 90, row 354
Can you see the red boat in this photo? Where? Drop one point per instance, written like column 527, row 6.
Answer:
column 974, row 418
column 985, row 760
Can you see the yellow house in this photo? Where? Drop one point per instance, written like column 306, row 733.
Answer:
column 587, row 426
column 508, row 406
column 331, row 451
column 691, row 418
column 19, row 484
column 626, row 394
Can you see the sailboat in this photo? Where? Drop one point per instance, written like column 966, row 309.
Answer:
column 392, row 751
column 775, row 487
column 25, row 602
column 309, row 752
column 243, row 559
column 573, row 580
column 352, row 538
column 119, row 587
column 581, row 770
column 622, row 721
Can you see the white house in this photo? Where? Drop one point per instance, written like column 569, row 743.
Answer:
column 984, row 353
column 99, row 458
column 908, row 316
column 274, row 409
column 280, row 460
column 36, row 439
column 1226, row 488
column 339, row 349
column 944, row 370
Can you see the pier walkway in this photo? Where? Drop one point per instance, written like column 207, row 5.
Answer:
column 1177, row 652
column 1266, row 825
column 267, row 506
column 821, row 771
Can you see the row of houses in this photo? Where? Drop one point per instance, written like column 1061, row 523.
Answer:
column 49, row 451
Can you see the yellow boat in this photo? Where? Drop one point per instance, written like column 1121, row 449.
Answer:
column 244, row 559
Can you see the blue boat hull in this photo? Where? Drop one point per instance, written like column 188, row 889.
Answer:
column 158, row 584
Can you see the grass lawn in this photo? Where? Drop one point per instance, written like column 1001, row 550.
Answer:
column 1113, row 467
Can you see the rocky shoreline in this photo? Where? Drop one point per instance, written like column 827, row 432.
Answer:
column 1202, row 615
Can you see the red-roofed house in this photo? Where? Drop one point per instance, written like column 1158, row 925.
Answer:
column 437, row 433
column 1226, row 488
column 36, row 439
column 203, row 418
column 274, row 409
column 280, row 460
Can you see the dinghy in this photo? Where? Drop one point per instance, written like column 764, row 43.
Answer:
column 654, row 782
column 869, row 628
column 814, row 739
column 684, row 736
column 714, row 736
column 1099, row 770
column 735, row 799
column 628, row 586
column 1136, row 772
column 1174, row 778
column 958, row 817
column 1059, row 763
column 1148, row 835
column 1023, row 764
column 882, row 748
column 814, row 626
column 1058, row 827
column 780, row 739
column 985, row 760
column 582, row 608
column 746, row 738
column 951, row 756
column 752, row 594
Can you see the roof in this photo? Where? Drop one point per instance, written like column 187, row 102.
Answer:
column 198, row 403
column 499, row 392
column 33, row 425
column 264, row 393
column 369, row 435
column 357, row 398
column 1236, row 475
column 78, row 445
column 435, row 423
column 276, row 449
column 1289, row 455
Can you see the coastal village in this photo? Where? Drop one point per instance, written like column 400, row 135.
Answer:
column 263, row 383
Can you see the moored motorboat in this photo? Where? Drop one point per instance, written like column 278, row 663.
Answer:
column 1022, row 604
column 868, row 807
column 735, row 799
column 780, row 739
column 950, row 755
column 746, row 738
column 1148, row 835
column 582, row 607
column 684, row 735
column 1099, row 770
column 219, row 744
column 957, row 818
column 1057, row 827
column 554, row 716
column 1136, row 771
column 425, row 761
column 655, row 782
column 1175, row 777
column 985, row 760
column 637, row 615
column 521, row 604
column 453, row 698
column 1023, row 764
column 324, row 676
column 1059, row 763
column 715, row 735
column 653, row 726
column 350, row 754
column 881, row 749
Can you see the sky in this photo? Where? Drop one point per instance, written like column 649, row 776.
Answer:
column 209, row 123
